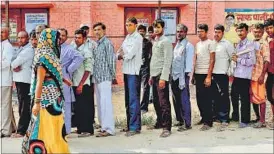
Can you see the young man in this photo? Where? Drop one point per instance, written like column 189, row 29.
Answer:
column 205, row 60
column 84, row 106
column 269, row 28
column 131, row 53
column 223, row 54
column 71, row 61
column 258, row 91
column 245, row 59
column 181, row 69
column 144, row 73
column 21, row 66
column 33, row 39
column 104, row 73
column 7, row 50
column 159, row 71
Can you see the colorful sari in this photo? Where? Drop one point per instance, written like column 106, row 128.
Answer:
column 46, row 132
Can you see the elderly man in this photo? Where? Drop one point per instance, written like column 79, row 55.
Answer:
column 21, row 66
column 71, row 60
column 6, row 84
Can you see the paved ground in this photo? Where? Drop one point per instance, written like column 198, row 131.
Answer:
column 233, row 140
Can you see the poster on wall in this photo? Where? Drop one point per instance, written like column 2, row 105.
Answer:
column 13, row 28
column 34, row 19
column 249, row 16
column 170, row 17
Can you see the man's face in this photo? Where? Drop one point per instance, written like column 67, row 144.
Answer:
column 218, row 35
column 142, row 32
column 270, row 30
column 98, row 32
column 34, row 42
column 202, row 33
column 151, row 35
column 22, row 38
column 79, row 39
column 158, row 29
column 258, row 33
column 242, row 33
column 38, row 31
column 63, row 36
column 4, row 34
column 181, row 34
column 229, row 21
column 131, row 27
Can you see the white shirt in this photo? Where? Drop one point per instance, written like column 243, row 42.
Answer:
column 24, row 58
column 6, row 56
column 223, row 53
column 203, row 50
column 85, row 66
column 132, row 48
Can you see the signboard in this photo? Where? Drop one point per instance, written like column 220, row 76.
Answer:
column 170, row 17
column 249, row 16
column 34, row 19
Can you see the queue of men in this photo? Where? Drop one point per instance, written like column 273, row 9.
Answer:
column 150, row 64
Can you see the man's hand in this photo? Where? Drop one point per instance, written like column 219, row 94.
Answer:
column 162, row 84
column 207, row 82
column 261, row 79
column 17, row 69
column 150, row 81
column 79, row 89
column 234, row 57
column 114, row 82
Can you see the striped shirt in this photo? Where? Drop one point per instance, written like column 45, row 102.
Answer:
column 246, row 62
column 162, row 56
column 132, row 48
column 104, row 68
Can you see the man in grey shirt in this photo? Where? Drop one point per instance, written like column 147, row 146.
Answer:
column 159, row 71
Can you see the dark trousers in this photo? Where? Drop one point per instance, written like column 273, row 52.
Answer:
column 23, row 90
column 84, row 110
column 240, row 91
column 204, row 99
column 132, row 102
column 256, row 110
column 144, row 80
column 181, row 101
column 162, row 104
column 222, row 103
column 269, row 87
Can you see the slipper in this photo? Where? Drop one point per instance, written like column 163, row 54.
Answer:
column 165, row 133
column 84, row 135
column 132, row 133
column 103, row 134
column 205, row 127
column 259, row 125
column 16, row 135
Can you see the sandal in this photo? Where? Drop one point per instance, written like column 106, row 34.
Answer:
column 205, row 127
column 124, row 130
column 131, row 133
column 103, row 134
column 84, row 134
column 259, row 125
column 16, row 135
column 165, row 133
column 184, row 128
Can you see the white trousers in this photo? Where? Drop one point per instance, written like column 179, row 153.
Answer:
column 7, row 119
column 104, row 106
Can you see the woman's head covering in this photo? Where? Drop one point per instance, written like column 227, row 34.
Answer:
column 47, row 55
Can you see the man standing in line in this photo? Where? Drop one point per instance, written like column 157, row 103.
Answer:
column 160, row 67
column 258, row 91
column 224, row 50
column 245, row 60
column 269, row 28
column 7, row 50
column 84, row 106
column 104, row 72
column 205, row 60
column 21, row 66
column 131, row 53
column 181, row 69
column 146, row 56
column 33, row 39
column 71, row 61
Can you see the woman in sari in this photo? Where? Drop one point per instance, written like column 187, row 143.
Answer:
column 46, row 132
